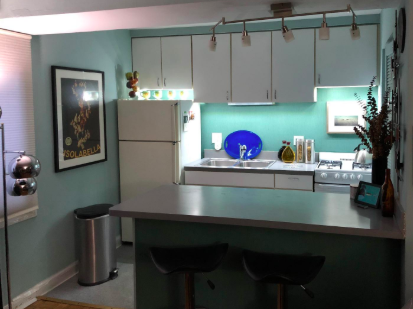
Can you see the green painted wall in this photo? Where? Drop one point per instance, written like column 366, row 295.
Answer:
column 282, row 121
column 42, row 246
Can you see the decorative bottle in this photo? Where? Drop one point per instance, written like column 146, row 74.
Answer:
column 280, row 152
column 387, row 197
column 288, row 155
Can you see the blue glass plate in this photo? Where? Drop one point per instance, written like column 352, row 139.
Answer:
column 242, row 137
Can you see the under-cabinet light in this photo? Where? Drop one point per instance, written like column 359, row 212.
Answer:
column 251, row 103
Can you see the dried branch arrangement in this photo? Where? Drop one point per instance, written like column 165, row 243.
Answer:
column 376, row 136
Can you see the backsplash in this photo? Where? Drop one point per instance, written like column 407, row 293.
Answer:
column 282, row 121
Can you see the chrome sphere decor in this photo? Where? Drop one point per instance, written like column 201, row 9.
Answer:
column 22, row 182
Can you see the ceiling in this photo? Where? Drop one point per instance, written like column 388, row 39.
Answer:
column 68, row 16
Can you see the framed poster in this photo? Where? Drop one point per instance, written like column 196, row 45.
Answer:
column 343, row 116
column 79, row 117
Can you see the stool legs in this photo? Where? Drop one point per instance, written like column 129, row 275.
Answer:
column 281, row 297
column 189, row 291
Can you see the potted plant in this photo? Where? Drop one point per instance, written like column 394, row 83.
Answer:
column 377, row 135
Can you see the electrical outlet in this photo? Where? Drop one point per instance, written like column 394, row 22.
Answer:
column 297, row 137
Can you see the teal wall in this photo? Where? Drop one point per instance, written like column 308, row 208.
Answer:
column 42, row 246
column 282, row 121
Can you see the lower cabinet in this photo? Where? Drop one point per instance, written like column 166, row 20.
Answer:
column 228, row 179
column 250, row 180
column 294, row 182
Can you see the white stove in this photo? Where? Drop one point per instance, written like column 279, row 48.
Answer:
column 337, row 171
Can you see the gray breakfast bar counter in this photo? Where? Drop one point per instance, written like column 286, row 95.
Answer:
column 362, row 249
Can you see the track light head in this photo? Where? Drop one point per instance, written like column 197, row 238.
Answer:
column 324, row 31
column 213, row 43
column 355, row 31
column 287, row 34
column 246, row 39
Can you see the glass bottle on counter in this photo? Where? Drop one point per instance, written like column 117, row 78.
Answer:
column 387, row 197
column 288, row 155
column 280, row 152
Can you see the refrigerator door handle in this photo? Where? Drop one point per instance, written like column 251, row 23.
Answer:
column 176, row 164
column 175, row 122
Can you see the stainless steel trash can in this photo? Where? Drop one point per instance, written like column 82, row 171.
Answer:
column 96, row 241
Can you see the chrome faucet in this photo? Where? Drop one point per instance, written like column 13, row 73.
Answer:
column 242, row 151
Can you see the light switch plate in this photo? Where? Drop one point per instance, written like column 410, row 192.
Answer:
column 297, row 137
column 216, row 137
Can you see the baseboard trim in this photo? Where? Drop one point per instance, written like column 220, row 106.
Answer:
column 27, row 298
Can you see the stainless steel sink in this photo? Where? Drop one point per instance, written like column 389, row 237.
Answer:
column 228, row 163
column 220, row 163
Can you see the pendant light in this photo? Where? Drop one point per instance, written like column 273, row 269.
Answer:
column 355, row 30
column 324, row 31
column 287, row 34
column 246, row 39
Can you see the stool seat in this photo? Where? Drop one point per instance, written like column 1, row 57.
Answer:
column 188, row 260
column 282, row 269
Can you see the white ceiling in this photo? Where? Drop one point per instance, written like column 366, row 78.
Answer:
column 67, row 16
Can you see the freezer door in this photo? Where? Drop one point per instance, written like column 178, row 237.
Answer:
column 144, row 166
column 148, row 120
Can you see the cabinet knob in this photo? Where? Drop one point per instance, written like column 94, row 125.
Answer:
column 227, row 95
column 267, row 94
column 275, row 94
column 157, row 81
column 164, row 81
column 319, row 78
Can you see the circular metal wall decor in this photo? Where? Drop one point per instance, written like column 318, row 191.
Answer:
column 401, row 31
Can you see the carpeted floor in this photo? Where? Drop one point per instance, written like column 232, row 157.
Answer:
column 115, row 293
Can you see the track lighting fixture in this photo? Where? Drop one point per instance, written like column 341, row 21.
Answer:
column 213, row 42
column 324, row 31
column 287, row 34
column 246, row 39
column 355, row 30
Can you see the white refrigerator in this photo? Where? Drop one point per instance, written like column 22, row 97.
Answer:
column 154, row 145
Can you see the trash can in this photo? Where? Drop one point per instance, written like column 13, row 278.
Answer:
column 96, row 241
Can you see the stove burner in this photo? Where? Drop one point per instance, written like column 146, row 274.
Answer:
column 361, row 166
column 330, row 164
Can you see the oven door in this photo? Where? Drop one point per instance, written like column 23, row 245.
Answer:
column 324, row 187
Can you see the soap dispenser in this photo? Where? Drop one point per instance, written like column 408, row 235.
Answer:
column 288, row 155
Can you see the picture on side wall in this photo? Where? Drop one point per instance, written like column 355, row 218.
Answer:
column 343, row 116
column 79, row 117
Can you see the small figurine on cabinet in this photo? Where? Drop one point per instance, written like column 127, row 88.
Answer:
column 132, row 83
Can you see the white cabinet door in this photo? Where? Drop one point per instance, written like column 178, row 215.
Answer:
column 212, row 69
column 251, row 68
column 342, row 61
column 146, row 58
column 176, row 62
column 293, row 67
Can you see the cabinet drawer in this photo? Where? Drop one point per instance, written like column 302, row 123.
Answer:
column 294, row 182
column 228, row 179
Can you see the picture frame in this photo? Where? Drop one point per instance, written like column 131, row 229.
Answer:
column 79, row 117
column 368, row 194
column 343, row 116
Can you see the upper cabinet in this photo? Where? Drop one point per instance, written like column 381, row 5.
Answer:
column 212, row 69
column 251, row 68
column 293, row 67
column 146, row 58
column 163, row 63
column 342, row 61
column 176, row 62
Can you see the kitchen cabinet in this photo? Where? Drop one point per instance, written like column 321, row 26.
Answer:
column 212, row 69
column 251, row 68
column 294, row 182
column 342, row 61
column 293, row 67
column 163, row 63
column 230, row 179
column 146, row 59
column 176, row 62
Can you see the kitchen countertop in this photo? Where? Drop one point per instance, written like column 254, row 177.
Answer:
column 278, row 167
column 277, row 209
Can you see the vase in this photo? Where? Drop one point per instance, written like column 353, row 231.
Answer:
column 379, row 167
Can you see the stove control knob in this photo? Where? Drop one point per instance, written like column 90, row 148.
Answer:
column 360, row 177
column 323, row 175
column 345, row 176
column 337, row 176
column 352, row 176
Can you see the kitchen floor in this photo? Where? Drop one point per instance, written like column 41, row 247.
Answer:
column 115, row 293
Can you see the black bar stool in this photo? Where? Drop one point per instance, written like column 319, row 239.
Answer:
column 282, row 269
column 189, row 261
